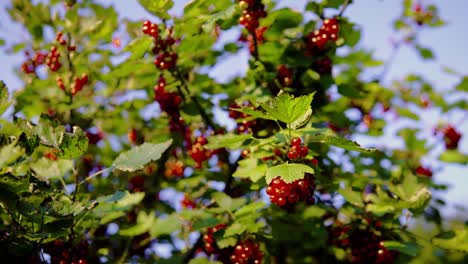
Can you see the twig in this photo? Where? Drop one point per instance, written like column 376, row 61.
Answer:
column 343, row 8
column 177, row 74
column 94, row 175
column 255, row 51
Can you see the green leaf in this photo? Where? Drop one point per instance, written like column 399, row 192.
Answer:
column 166, row 226
column 249, row 209
column 289, row 172
column 14, row 185
column 138, row 47
column 380, row 209
column 203, row 261
column 9, row 154
column 351, row 196
column 64, row 206
column 282, row 19
column 235, row 229
column 288, row 109
column 406, row 113
column 226, row 242
column 270, row 51
column 46, row 169
column 410, row 249
column 250, row 168
column 205, row 222
column 334, row 3
column 313, row 212
column 454, row 156
column 226, row 202
column 144, row 223
column 314, row 7
column 73, row 145
column 28, row 143
column 158, row 8
column 457, row 242
column 350, row 33
column 119, row 201
column 227, row 13
column 139, row 156
column 253, row 113
column 462, row 86
column 425, row 53
column 302, row 121
column 230, row 141
column 4, row 103
column 330, row 139
column 419, row 200
column 350, row 91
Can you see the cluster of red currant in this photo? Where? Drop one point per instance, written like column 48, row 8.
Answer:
column 318, row 39
column 64, row 252
column 284, row 75
column 198, row 152
column 210, row 246
column 297, row 150
column 259, row 34
column 136, row 183
column 150, row 29
column 365, row 245
column 174, row 168
column 243, row 125
column 420, row 170
column 59, row 38
column 286, row 195
column 168, row 101
column 30, row 65
column 187, row 202
column 165, row 58
column 79, row 83
column 252, row 11
column 53, row 59
column 246, row 252
column 451, row 137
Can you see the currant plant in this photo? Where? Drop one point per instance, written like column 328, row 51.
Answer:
column 122, row 147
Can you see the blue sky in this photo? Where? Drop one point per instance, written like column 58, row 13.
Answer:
column 375, row 16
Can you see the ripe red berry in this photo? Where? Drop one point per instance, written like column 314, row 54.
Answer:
column 424, row 171
column 451, row 137
column 296, row 142
column 293, row 154
column 187, row 202
column 174, row 168
column 303, row 151
column 132, row 136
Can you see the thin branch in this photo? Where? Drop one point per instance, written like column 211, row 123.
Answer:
column 389, row 62
column 93, row 175
column 343, row 8
column 178, row 75
column 255, row 51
